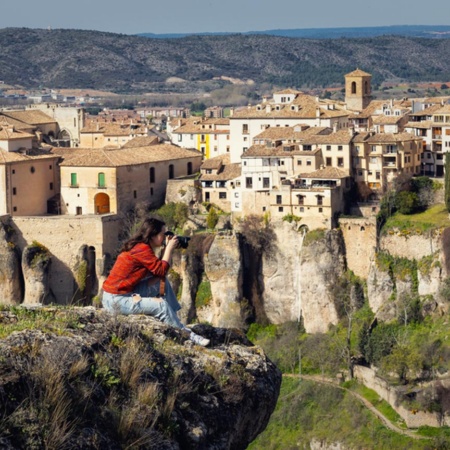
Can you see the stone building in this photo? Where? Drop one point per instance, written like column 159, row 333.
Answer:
column 101, row 181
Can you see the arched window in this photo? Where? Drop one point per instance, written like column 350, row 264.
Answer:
column 171, row 171
column 353, row 87
column 189, row 168
column 152, row 174
column 101, row 180
column 366, row 87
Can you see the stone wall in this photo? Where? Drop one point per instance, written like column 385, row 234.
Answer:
column 360, row 242
column 413, row 419
column 411, row 245
column 63, row 236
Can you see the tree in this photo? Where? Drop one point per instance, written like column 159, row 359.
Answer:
column 212, row 219
column 447, row 181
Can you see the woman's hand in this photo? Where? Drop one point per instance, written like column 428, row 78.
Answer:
column 171, row 244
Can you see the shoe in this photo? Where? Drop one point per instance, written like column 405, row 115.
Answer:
column 199, row 340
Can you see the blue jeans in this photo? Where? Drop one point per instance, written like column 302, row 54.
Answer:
column 165, row 309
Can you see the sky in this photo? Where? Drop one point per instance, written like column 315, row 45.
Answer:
column 195, row 16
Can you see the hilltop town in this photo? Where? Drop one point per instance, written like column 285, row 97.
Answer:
column 67, row 179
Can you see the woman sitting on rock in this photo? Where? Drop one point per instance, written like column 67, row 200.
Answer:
column 137, row 282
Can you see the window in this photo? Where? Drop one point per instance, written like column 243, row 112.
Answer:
column 319, row 200
column 134, row 194
column 299, row 162
column 101, row 180
column 15, row 208
column 302, row 209
column 353, row 87
column 180, row 137
column 189, row 168
column 308, row 162
column 152, row 174
column 320, row 209
column 307, row 147
column 13, row 171
column 301, row 199
column 373, row 148
column 280, row 209
column 248, row 182
column 266, row 182
column 328, row 162
column 328, row 147
column 373, row 160
column 340, row 148
column 73, row 180
column 171, row 171
column 244, row 128
column 265, row 162
column 222, row 195
column 340, row 162
column 51, row 186
column 151, row 191
column 14, row 191
column 378, row 175
column 244, row 149
column 279, row 199
column 50, row 167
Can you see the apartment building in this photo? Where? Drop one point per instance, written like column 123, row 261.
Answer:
column 379, row 157
column 287, row 109
column 209, row 136
column 220, row 181
column 317, row 197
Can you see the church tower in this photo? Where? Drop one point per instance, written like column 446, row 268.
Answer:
column 358, row 90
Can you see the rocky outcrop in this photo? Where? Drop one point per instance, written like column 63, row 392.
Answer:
column 223, row 268
column 99, row 381
column 36, row 261
column 10, row 273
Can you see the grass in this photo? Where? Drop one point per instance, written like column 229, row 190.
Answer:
column 383, row 406
column 308, row 411
column 433, row 218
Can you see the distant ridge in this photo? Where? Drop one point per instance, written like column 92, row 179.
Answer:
column 71, row 59
column 423, row 31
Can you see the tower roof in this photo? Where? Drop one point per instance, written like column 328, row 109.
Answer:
column 358, row 73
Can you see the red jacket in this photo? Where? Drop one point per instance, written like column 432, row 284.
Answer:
column 131, row 267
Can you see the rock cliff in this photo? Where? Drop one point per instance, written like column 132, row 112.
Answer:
column 81, row 378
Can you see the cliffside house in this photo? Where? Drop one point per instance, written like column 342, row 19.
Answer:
column 29, row 177
column 220, row 181
column 379, row 157
column 209, row 136
column 316, row 197
column 100, row 181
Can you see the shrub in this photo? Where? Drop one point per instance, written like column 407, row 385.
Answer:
column 407, row 202
column 212, row 219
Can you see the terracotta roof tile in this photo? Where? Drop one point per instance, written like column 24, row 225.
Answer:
column 329, row 173
column 31, row 116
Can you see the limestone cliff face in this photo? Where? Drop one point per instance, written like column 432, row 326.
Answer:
column 100, row 381
column 299, row 278
column 10, row 274
column 36, row 261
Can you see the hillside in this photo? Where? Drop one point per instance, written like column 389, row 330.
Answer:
column 122, row 63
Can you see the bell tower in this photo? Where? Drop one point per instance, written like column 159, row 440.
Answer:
column 358, row 90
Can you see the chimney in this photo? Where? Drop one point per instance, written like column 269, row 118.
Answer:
column 317, row 113
column 335, row 127
column 231, row 112
column 268, row 108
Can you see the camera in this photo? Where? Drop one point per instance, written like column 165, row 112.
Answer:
column 183, row 241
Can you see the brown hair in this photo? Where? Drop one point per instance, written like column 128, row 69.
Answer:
column 149, row 228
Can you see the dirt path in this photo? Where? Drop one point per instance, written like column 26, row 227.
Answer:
column 365, row 402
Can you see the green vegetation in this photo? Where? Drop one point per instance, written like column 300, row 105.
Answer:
column 313, row 236
column 447, row 181
column 173, row 214
column 212, row 219
column 309, row 411
column 434, row 217
column 204, row 295
column 291, row 218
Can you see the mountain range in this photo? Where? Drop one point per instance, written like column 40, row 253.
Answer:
column 132, row 64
